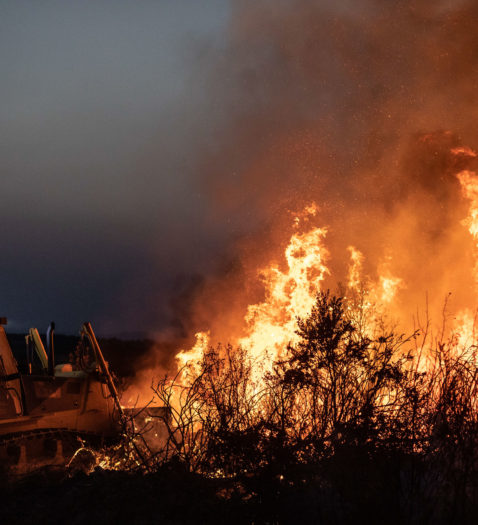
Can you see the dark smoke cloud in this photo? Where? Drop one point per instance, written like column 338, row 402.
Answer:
column 357, row 107
column 145, row 183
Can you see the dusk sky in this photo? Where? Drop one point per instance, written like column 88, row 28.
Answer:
column 103, row 106
column 145, row 146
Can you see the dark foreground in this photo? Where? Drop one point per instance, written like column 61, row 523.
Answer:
column 173, row 496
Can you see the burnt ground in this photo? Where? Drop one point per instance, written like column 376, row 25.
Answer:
column 51, row 496
column 170, row 497
column 167, row 497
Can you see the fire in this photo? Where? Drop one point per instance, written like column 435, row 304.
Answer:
column 189, row 362
column 463, row 151
column 464, row 330
column 291, row 284
column 355, row 268
column 290, row 293
column 465, row 320
column 469, row 185
column 388, row 284
column 375, row 290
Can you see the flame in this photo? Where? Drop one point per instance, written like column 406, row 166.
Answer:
column 189, row 362
column 355, row 268
column 464, row 330
column 289, row 294
column 292, row 281
column 270, row 325
column 464, row 151
column 388, row 284
column 469, row 186
column 291, row 284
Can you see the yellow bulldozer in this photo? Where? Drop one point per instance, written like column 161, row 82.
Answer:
column 47, row 412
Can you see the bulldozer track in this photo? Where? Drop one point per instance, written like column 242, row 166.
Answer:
column 26, row 451
column 24, row 437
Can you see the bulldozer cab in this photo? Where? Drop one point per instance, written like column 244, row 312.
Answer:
column 83, row 385
column 47, row 410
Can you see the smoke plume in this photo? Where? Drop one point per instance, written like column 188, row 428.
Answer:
column 365, row 109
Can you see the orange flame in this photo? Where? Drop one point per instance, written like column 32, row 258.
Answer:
column 270, row 325
column 355, row 268
column 290, row 294
column 290, row 286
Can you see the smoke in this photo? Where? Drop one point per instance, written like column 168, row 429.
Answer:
column 152, row 159
column 356, row 107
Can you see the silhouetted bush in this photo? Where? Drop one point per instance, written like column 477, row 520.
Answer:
column 353, row 424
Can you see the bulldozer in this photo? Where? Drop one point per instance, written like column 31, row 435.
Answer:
column 48, row 411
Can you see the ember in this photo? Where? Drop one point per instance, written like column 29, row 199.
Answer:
column 290, row 292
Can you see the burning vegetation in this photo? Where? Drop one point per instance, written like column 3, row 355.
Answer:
column 327, row 407
column 323, row 406
column 296, row 403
